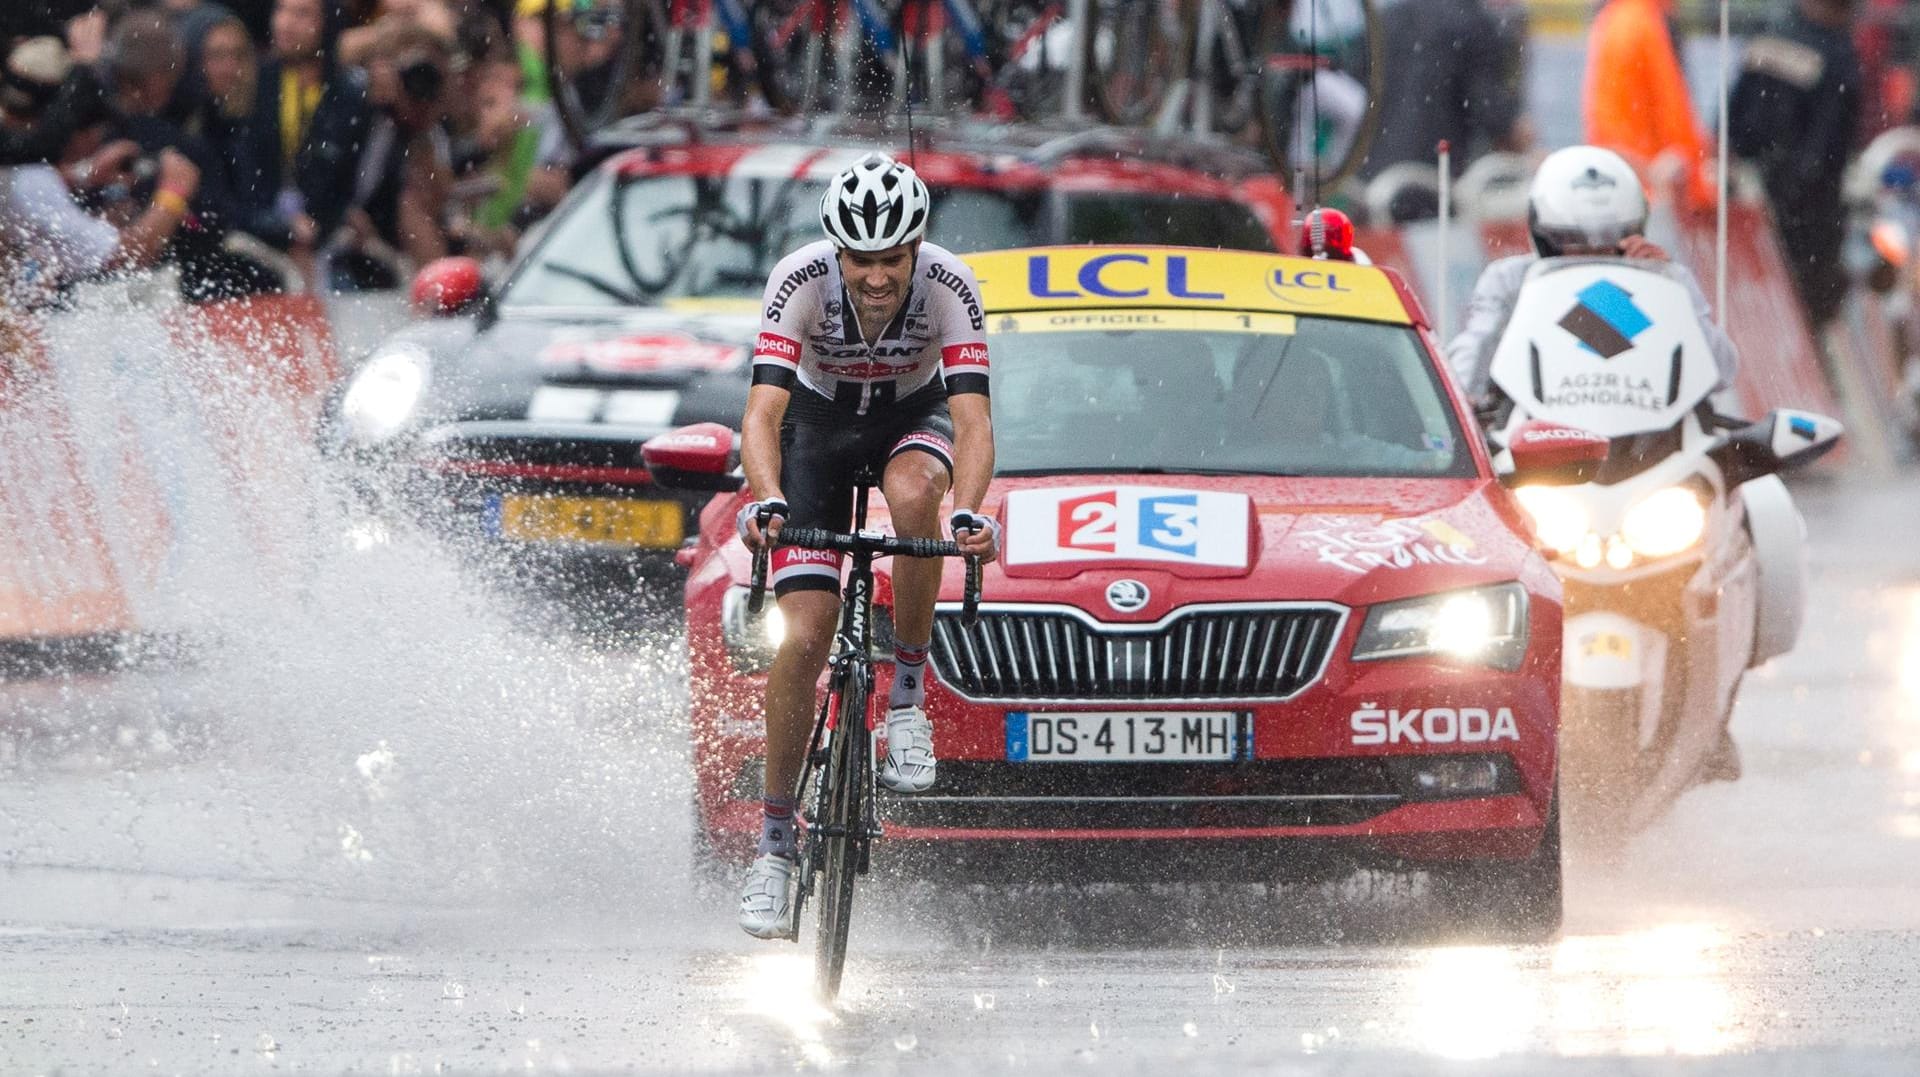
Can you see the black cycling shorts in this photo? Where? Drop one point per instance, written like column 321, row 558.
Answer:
column 823, row 445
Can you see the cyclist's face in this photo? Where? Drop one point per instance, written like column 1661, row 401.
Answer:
column 877, row 280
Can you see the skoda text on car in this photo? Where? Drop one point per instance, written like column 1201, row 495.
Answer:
column 517, row 420
column 1263, row 604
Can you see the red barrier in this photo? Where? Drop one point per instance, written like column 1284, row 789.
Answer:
column 1780, row 365
column 90, row 527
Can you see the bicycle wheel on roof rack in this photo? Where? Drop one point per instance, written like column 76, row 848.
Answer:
column 600, row 56
column 1137, row 51
column 1320, row 88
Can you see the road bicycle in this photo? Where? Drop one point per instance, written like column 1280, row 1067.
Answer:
column 1303, row 78
column 837, row 788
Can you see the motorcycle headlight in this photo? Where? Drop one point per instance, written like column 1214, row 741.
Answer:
column 752, row 639
column 1560, row 519
column 1483, row 626
column 384, row 393
column 1665, row 522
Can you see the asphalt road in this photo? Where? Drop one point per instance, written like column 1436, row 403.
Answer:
column 384, row 828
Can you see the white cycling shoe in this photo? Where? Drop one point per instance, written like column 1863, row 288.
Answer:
column 909, row 765
column 766, row 901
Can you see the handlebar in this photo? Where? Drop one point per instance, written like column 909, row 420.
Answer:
column 813, row 538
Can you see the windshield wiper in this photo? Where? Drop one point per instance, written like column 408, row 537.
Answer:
column 597, row 282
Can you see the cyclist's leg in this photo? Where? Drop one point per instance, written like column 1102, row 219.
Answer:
column 919, row 471
column 819, row 452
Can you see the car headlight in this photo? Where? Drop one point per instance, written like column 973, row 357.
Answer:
column 1665, row 522
column 1560, row 518
column 384, row 393
column 752, row 639
column 1482, row 626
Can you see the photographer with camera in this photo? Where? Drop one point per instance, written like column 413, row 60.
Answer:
column 143, row 60
column 47, row 240
column 396, row 216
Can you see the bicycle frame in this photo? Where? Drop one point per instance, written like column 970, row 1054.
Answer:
column 850, row 675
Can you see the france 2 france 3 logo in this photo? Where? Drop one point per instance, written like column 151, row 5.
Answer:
column 1127, row 523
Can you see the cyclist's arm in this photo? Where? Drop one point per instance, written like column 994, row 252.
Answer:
column 965, row 369
column 776, row 367
column 760, row 439
column 972, row 449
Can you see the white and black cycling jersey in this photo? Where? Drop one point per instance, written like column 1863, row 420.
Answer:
column 808, row 331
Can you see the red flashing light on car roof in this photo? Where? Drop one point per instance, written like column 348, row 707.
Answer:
column 1327, row 233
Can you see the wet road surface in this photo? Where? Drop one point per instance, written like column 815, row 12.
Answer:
column 389, row 831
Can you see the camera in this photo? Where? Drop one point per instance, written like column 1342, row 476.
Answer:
column 134, row 186
column 421, row 80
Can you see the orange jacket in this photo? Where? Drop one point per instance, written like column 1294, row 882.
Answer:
column 1636, row 97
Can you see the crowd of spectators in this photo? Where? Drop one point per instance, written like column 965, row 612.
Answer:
column 268, row 144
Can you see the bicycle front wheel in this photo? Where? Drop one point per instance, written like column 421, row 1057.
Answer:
column 844, row 788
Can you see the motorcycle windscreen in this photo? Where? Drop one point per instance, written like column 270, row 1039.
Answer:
column 1606, row 346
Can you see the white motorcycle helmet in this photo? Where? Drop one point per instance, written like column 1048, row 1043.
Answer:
column 1584, row 200
column 876, row 204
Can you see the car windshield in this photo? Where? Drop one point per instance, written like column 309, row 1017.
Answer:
column 1217, row 392
column 629, row 241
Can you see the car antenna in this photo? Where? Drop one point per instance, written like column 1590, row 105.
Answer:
column 1721, row 181
column 906, row 76
column 1313, row 88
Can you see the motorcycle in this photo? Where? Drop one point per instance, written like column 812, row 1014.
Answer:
column 1683, row 560
column 1883, row 253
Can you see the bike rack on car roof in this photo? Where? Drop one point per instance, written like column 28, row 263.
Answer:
column 1030, row 144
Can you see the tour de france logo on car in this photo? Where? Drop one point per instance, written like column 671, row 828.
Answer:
column 1127, row 523
column 1605, row 320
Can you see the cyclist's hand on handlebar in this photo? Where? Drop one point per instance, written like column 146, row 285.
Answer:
column 978, row 535
column 760, row 521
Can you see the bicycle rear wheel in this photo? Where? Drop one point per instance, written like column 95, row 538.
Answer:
column 626, row 37
column 843, row 788
column 1320, row 88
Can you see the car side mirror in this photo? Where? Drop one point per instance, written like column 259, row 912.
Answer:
column 704, row 456
column 1784, row 439
column 447, row 287
column 1551, row 454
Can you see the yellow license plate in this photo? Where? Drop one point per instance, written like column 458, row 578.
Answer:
column 601, row 521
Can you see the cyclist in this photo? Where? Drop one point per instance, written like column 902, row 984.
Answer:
column 871, row 351
column 1585, row 201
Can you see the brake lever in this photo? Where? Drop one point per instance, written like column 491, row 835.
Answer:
column 757, row 592
column 970, row 600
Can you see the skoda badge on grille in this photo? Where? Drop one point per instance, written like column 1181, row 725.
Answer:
column 1127, row 596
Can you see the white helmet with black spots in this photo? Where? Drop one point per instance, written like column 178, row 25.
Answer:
column 1584, row 200
column 876, row 204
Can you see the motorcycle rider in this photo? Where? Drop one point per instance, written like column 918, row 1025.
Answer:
column 871, row 351
column 1585, row 201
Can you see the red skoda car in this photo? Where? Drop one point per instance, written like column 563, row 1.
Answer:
column 1264, row 608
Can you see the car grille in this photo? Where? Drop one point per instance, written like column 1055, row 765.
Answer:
column 1048, row 654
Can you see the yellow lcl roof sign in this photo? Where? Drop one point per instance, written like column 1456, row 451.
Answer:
column 1065, row 278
